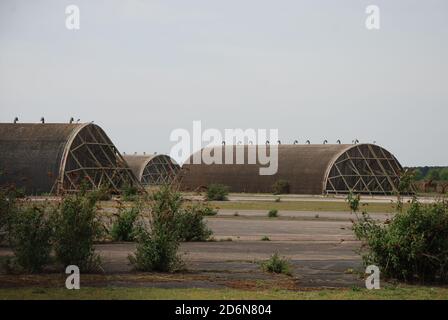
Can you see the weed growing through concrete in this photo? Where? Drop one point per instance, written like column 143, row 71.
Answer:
column 277, row 264
column 273, row 213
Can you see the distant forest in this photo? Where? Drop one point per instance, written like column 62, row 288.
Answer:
column 430, row 173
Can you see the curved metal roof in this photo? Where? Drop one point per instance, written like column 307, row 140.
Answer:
column 43, row 157
column 305, row 167
column 31, row 153
column 138, row 163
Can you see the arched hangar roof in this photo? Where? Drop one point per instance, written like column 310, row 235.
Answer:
column 57, row 157
column 153, row 169
column 308, row 169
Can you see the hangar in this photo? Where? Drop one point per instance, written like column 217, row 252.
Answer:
column 58, row 157
column 153, row 170
column 308, row 169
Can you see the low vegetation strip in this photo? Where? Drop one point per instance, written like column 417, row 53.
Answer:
column 108, row 293
column 304, row 206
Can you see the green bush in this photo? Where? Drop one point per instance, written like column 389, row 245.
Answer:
column 217, row 192
column 191, row 225
column 280, row 187
column 170, row 223
column 444, row 174
column 76, row 228
column 273, row 213
column 30, row 238
column 418, row 174
column 406, row 184
column 353, row 201
column 265, row 238
column 103, row 193
column 157, row 245
column 413, row 245
column 433, row 174
column 123, row 227
column 277, row 264
column 206, row 210
column 130, row 192
column 156, row 251
column 7, row 209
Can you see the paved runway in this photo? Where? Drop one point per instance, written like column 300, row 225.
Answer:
column 325, row 215
column 321, row 251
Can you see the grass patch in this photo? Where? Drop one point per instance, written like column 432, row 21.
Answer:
column 324, row 206
column 109, row 293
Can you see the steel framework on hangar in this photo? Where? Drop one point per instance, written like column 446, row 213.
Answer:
column 153, row 170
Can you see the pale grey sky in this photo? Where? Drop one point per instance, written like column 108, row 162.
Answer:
column 309, row 68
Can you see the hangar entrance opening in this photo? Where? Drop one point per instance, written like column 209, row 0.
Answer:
column 160, row 170
column 366, row 169
column 93, row 159
column 153, row 170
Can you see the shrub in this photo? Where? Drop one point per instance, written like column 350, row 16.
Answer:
column 103, row 193
column 280, row 187
column 30, row 235
column 156, row 251
column 217, row 192
column 206, row 210
column 273, row 213
column 157, row 246
column 412, row 246
column 444, row 174
column 265, row 238
column 277, row 264
column 76, row 228
column 123, row 227
column 191, row 225
column 353, row 201
column 7, row 209
column 405, row 186
column 129, row 192
column 433, row 174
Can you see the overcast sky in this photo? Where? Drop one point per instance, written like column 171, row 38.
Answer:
column 309, row 68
